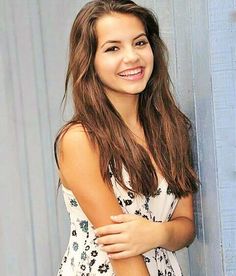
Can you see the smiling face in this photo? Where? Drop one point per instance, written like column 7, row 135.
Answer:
column 124, row 58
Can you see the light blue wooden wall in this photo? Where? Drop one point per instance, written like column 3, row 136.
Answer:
column 34, row 227
column 222, row 42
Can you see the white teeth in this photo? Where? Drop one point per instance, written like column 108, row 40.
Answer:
column 131, row 72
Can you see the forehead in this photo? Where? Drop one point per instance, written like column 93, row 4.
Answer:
column 118, row 26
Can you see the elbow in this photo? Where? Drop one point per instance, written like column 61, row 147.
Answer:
column 192, row 235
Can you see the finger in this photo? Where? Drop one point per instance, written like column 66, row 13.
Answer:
column 108, row 229
column 112, row 248
column 111, row 239
column 124, row 218
column 120, row 255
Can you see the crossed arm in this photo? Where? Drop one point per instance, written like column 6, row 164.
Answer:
column 122, row 240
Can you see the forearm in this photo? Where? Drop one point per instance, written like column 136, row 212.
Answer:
column 175, row 234
column 130, row 266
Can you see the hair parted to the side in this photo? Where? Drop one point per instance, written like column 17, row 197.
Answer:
column 165, row 126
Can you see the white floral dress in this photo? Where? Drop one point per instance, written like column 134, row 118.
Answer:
column 83, row 257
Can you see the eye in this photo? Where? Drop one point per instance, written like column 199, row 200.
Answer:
column 112, row 49
column 141, row 43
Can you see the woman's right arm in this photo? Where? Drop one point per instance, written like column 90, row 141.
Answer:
column 80, row 172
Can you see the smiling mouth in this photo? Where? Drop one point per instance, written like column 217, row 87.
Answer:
column 132, row 74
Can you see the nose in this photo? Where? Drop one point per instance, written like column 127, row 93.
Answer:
column 130, row 56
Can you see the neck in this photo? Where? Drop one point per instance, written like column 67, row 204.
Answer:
column 127, row 106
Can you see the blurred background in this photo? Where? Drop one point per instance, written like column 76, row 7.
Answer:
column 34, row 225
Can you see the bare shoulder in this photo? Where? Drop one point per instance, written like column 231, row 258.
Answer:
column 78, row 157
column 75, row 133
column 75, row 140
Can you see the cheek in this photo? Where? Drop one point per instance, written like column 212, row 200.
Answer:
column 104, row 67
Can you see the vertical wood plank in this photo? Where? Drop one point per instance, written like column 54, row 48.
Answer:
column 45, row 127
column 16, row 217
column 185, row 90
column 206, row 146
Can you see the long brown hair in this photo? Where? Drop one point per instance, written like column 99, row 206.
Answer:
column 165, row 126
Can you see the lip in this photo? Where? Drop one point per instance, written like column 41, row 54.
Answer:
column 134, row 76
column 130, row 69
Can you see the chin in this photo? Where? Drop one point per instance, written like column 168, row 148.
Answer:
column 135, row 87
column 138, row 90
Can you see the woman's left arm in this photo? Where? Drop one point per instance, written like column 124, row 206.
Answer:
column 134, row 235
column 180, row 230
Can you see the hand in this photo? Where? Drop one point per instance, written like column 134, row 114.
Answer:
column 131, row 236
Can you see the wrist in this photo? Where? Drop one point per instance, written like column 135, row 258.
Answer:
column 160, row 234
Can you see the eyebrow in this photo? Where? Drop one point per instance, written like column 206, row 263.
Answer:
column 117, row 41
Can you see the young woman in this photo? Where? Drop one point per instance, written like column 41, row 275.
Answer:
column 124, row 158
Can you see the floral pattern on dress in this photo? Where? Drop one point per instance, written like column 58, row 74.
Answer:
column 83, row 255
